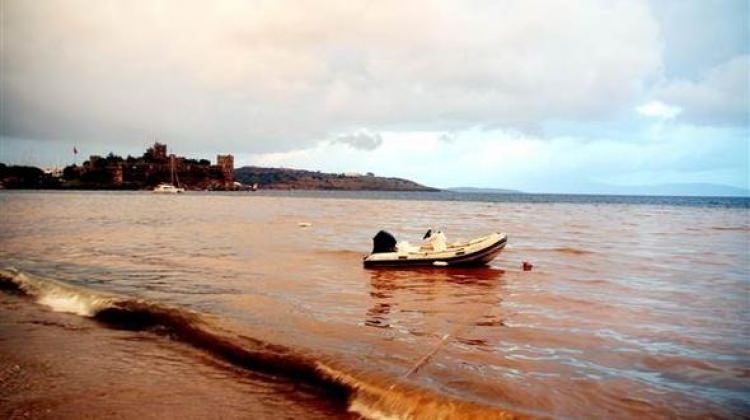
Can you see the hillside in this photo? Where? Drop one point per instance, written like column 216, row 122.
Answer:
column 298, row 179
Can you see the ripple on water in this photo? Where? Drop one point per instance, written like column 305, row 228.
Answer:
column 634, row 308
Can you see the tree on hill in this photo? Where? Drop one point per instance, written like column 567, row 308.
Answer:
column 24, row 177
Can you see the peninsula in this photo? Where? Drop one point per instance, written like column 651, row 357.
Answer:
column 299, row 179
column 157, row 166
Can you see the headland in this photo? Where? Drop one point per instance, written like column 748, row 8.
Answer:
column 156, row 166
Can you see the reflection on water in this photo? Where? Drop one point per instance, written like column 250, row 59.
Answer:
column 433, row 292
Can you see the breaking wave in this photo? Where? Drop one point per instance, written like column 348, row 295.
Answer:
column 367, row 394
column 59, row 296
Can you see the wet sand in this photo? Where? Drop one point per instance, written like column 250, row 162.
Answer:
column 55, row 365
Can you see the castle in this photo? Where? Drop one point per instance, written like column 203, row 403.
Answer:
column 154, row 167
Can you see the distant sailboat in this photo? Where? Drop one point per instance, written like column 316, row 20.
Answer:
column 174, row 187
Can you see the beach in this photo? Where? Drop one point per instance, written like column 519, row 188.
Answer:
column 250, row 305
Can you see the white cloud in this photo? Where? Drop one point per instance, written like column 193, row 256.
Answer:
column 451, row 92
column 658, row 109
column 255, row 76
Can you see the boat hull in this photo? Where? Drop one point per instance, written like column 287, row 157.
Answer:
column 168, row 189
column 479, row 257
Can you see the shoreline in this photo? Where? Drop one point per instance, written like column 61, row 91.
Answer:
column 78, row 368
column 531, row 197
column 91, row 319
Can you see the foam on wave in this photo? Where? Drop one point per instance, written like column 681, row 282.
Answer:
column 366, row 394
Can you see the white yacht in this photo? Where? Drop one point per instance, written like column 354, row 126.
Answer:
column 168, row 189
column 173, row 188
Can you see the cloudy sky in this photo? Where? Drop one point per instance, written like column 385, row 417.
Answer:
column 545, row 96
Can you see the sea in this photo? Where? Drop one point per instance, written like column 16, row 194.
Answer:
column 257, row 305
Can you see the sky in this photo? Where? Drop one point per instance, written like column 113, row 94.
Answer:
column 533, row 95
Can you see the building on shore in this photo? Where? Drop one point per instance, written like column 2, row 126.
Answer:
column 226, row 163
column 156, row 166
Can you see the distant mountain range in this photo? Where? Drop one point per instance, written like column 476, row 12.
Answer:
column 483, row 190
column 300, row 179
column 686, row 189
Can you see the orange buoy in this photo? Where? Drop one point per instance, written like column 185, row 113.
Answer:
column 527, row 266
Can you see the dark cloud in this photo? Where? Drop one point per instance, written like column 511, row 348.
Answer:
column 719, row 97
column 447, row 137
column 363, row 140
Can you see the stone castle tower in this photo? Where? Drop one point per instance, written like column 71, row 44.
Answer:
column 226, row 163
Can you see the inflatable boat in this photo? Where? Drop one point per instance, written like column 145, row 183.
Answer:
column 387, row 252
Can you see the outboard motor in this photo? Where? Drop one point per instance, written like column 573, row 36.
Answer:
column 383, row 242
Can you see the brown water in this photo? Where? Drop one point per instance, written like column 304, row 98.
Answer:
column 222, row 306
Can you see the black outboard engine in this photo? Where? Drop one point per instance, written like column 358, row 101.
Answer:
column 383, row 242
